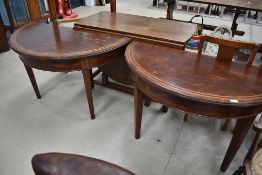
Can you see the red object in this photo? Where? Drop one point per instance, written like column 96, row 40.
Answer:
column 60, row 8
column 67, row 8
column 73, row 15
column 196, row 37
column 64, row 9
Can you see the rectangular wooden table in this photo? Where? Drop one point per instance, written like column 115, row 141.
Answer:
column 236, row 4
column 240, row 4
column 155, row 30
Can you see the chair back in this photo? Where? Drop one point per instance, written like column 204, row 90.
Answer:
column 228, row 48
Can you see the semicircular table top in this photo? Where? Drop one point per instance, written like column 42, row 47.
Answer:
column 56, row 42
column 200, row 78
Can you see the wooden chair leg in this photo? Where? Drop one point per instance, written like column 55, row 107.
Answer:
column 186, row 117
column 147, row 101
column 240, row 171
column 104, row 79
column 164, row 109
column 225, row 125
column 88, row 88
column 31, row 75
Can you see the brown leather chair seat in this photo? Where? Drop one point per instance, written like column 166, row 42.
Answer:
column 69, row 164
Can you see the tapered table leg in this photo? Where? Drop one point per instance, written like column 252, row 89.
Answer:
column 225, row 124
column 164, row 109
column 31, row 75
column 138, row 96
column 88, row 88
column 92, row 78
column 241, row 129
column 186, row 117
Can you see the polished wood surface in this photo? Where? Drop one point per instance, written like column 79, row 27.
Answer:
column 198, row 78
column 226, row 52
column 40, row 43
column 243, row 4
column 60, row 49
column 160, row 31
column 196, row 84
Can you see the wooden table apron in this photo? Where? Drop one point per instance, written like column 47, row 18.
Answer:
column 198, row 85
column 61, row 49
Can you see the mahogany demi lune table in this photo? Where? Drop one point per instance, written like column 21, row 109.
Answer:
column 61, row 49
column 196, row 84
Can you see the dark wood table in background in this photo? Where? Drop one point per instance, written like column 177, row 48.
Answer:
column 240, row 4
column 196, row 84
column 235, row 4
column 61, row 49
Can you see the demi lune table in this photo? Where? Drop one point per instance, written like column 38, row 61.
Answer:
column 195, row 84
column 61, row 49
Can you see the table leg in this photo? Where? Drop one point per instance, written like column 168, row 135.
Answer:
column 138, row 96
column 186, row 116
column 241, row 129
column 225, row 124
column 170, row 10
column 164, row 109
column 234, row 23
column 88, row 88
column 31, row 75
column 92, row 78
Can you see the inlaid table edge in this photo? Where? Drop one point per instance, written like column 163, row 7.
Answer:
column 192, row 95
column 62, row 56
